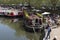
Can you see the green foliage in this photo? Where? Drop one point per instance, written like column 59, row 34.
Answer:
column 36, row 3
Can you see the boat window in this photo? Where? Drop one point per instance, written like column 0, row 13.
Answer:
column 29, row 22
column 36, row 21
column 40, row 21
column 7, row 13
column 1, row 12
column 19, row 13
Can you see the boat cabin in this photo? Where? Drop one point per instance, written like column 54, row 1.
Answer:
column 34, row 21
column 10, row 12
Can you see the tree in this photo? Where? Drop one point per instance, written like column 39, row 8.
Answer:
column 36, row 3
column 54, row 3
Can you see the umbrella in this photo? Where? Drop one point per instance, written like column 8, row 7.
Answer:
column 45, row 13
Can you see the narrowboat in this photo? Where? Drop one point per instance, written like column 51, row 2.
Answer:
column 32, row 22
column 11, row 12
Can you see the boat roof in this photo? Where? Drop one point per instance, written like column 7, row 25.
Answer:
column 33, row 16
column 8, row 10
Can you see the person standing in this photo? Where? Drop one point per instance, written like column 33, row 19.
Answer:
column 47, row 32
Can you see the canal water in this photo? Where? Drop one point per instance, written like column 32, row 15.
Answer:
column 12, row 29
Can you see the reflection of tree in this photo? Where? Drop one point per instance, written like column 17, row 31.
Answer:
column 16, row 26
column 41, row 35
column 34, row 36
column 30, row 36
column 20, row 31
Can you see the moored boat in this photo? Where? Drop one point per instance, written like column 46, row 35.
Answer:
column 10, row 12
column 32, row 22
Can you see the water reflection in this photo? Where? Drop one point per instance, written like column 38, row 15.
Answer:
column 12, row 29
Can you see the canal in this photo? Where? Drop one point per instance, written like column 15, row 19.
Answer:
column 12, row 29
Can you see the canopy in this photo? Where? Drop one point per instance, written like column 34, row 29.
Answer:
column 37, row 10
column 45, row 13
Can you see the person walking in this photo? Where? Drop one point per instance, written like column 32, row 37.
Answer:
column 47, row 32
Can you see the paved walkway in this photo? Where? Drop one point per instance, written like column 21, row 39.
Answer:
column 55, row 32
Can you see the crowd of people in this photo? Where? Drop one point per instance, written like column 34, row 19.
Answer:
column 51, row 21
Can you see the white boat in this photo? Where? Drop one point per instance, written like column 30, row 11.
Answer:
column 10, row 12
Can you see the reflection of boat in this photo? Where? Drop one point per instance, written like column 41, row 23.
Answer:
column 16, row 26
column 32, row 36
column 35, row 36
column 32, row 22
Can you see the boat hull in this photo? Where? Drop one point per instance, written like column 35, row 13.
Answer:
column 33, row 29
column 15, row 16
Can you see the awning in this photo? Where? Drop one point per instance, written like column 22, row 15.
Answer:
column 45, row 13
